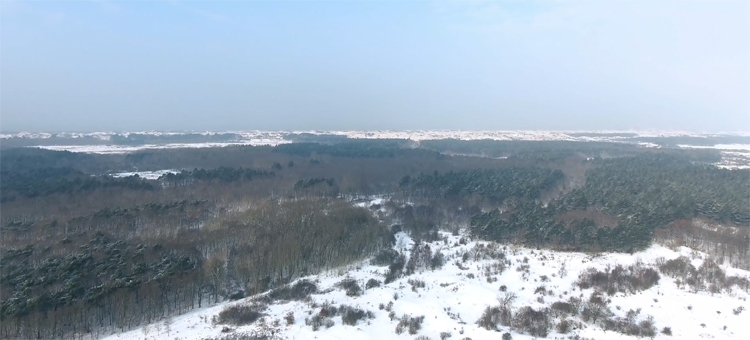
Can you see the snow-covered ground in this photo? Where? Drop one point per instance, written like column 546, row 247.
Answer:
column 734, row 156
column 117, row 149
column 455, row 296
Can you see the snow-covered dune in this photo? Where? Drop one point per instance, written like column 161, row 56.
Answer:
column 455, row 296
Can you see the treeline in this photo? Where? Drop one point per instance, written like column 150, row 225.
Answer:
column 496, row 185
column 553, row 150
column 98, row 284
column 658, row 189
column 92, row 282
column 222, row 174
column 641, row 194
column 49, row 181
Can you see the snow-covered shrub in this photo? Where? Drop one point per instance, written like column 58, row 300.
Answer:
column 629, row 279
column 445, row 335
column 533, row 322
column 666, row 331
column 420, row 258
column 412, row 324
column 629, row 325
column 709, row 276
column 490, row 251
column 289, row 317
column 416, row 284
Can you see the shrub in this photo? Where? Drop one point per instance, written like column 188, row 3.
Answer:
column 490, row 318
column 351, row 286
column 420, row 258
column 619, row 279
column 296, row 292
column 372, row 283
column 437, row 261
column 350, row 316
column 507, row 336
column 666, row 331
column 533, row 322
column 563, row 327
column 416, row 284
column 564, row 308
column 385, row 257
column 395, row 269
column 289, row 318
column 240, row 314
column 412, row 324
column 445, row 335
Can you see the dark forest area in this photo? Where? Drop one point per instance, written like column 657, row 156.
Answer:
column 85, row 253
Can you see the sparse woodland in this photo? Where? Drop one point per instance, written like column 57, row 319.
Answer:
column 84, row 253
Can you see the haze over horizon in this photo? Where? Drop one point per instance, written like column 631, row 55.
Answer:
column 370, row 65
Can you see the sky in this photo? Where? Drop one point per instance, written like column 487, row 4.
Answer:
column 367, row 65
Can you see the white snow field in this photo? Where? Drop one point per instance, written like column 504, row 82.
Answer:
column 455, row 296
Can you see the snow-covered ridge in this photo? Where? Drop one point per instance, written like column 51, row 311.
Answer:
column 454, row 297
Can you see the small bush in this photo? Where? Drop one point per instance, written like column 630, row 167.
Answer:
column 289, row 318
column 445, row 335
column 666, row 331
column 507, row 336
column 437, row 261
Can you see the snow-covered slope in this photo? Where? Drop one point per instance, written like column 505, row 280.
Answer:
column 455, row 296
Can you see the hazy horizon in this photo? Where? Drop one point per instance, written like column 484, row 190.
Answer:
column 371, row 65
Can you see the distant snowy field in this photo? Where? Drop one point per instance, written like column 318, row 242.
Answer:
column 145, row 174
column 453, row 299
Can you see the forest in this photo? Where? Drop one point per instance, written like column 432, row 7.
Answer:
column 85, row 253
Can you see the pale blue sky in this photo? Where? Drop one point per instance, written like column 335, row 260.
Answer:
column 210, row 65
